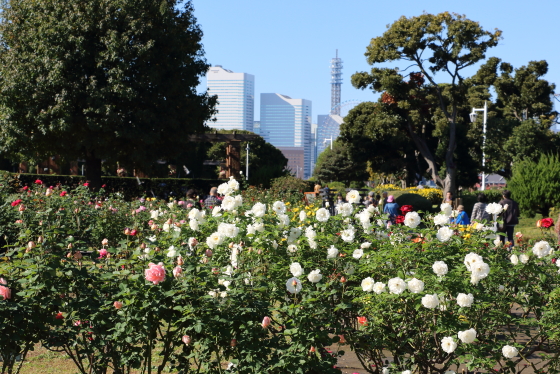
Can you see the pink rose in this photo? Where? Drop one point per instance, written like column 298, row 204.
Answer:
column 186, row 339
column 266, row 322
column 5, row 291
column 118, row 304
column 177, row 271
column 103, row 253
column 155, row 273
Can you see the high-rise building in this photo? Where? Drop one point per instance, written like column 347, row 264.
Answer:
column 236, row 98
column 286, row 124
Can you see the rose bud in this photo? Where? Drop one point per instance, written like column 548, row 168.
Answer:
column 78, row 255
column 265, row 322
column 230, row 245
column 343, row 279
column 233, row 342
column 31, row 245
column 169, row 221
column 204, row 260
column 180, row 261
column 70, row 246
column 216, row 271
column 40, row 239
column 193, row 242
column 127, row 231
column 312, row 349
column 177, row 271
column 154, row 227
column 143, row 245
column 118, row 304
column 21, row 208
column 105, row 242
column 69, row 254
column 133, row 232
column 48, row 192
column 59, row 316
column 186, row 339
column 208, row 253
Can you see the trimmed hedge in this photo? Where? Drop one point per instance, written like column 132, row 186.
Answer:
column 418, row 202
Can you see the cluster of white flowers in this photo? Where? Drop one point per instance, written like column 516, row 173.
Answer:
column 369, row 285
column 464, row 300
column 440, row 268
column 228, row 188
column 171, row 251
column 364, row 217
column 353, row 197
column 476, row 265
column 228, row 230
column 310, row 234
column 412, row 220
column 467, row 336
column 322, row 215
column 441, row 219
column 231, row 203
column 446, row 209
column 494, row 209
column 196, row 218
column 257, row 225
column 345, row 209
column 542, row 249
column 444, row 233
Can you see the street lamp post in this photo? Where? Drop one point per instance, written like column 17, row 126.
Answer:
column 329, row 139
column 247, row 164
column 473, row 116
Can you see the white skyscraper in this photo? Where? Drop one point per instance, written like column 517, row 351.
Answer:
column 236, row 98
column 286, row 124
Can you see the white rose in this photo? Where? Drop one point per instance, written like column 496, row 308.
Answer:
column 396, row 285
column 430, row 301
column 467, row 336
column 348, row 234
column 296, row 269
column 228, row 203
column 322, row 215
column 465, row 300
column 283, row 220
column 441, row 220
column 332, row 252
column 353, row 197
column 501, row 288
column 216, row 211
column 444, row 234
column 358, row 253
column 315, row 276
column 494, row 209
column 412, row 219
column 292, row 248
column 258, row 210
column 514, row 259
column 279, row 207
column 448, row 344
column 415, row 285
column 480, row 269
column 365, row 245
column 193, row 224
column 293, row 285
column 523, row 258
column 171, row 252
column 214, row 240
column 542, row 249
column 378, row 287
column 302, row 215
column 446, row 209
column 154, row 214
column 440, row 268
column 509, row 352
column 345, row 209
column 472, row 259
column 367, row 284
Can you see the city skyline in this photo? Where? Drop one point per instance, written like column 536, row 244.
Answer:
column 295, row 59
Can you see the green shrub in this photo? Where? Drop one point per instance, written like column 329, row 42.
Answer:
column 417, row 201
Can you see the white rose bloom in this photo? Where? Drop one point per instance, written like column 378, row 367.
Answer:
column 444, row 234
column 365, row 245
column 353, row 197
column 310, row 233
column 228, row 203
column 367, row 284
column 166, row 227
column 312, row 243
column 472, row 259
column 415, row 285
column 302, row 215
column 440, row 268
column 293, row 285
column 441, row 219
column 322, row 215
column 214, row 240
column 379, row 287
column 296, row 269
column 448, row 344
column 259, row 226
column 154, row 214
column 509, row 352
column 315, row 276
column 480, row 270
column 292, row 248
column 232, row 184
column 228, row 230
column 385, row 370
column 358, row 253
column 279, row 207
column 345, row 209
column 223, row 189
column 446, row 209
column 283, row 220
column 467, row 336
column 238, row 201
column 171, row 252
column 514, row 259
column 542, row 249
column 216, row 211
column 523, row 258
column 193, row 213
column 396, row 285
column 193, row 224
column 223, row 294
column 348, row 234
column 251, row 229
column 258, row 210
column 412, row 219
column 464, row 300
column 501, row 288
column 430, row 301
column 497, row 241
column 494, row 209
column 332, row 252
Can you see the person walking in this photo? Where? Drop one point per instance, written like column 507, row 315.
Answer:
column 391, row 208
column 510, row 216
column 479, row 212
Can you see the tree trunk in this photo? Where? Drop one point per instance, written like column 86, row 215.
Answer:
column 93, row 171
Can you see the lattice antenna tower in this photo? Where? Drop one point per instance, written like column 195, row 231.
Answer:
column 336, row 83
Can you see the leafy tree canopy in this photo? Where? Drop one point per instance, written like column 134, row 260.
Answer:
column 111, row 80
column 336, row 165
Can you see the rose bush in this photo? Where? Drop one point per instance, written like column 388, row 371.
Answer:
column 266, row 286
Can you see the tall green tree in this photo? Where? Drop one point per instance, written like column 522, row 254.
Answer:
column 336, row 165
column 111, row 80
column 447, row 44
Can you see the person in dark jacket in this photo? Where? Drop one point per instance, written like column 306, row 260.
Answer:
column 510, row 215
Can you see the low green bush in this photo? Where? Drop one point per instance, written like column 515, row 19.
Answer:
column 417, row 201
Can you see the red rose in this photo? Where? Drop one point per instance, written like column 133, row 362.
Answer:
column 406, row 208
column 25, row 188
column 63, row 193
column 547, row 222
column 133, row 232
column 399, row 220
column 59, row 316
column 103, row 185
column 362, row 320
column 86, row 184
column 38, row 181
column 16, row 203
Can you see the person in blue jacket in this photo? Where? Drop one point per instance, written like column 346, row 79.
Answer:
column 391, row 208
column 462, row 218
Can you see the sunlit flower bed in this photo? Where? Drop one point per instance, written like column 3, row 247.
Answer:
column 265, row 288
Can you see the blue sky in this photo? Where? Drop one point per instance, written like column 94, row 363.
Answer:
column 288, row 44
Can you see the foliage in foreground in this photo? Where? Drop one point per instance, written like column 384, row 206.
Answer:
column 256, row 288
